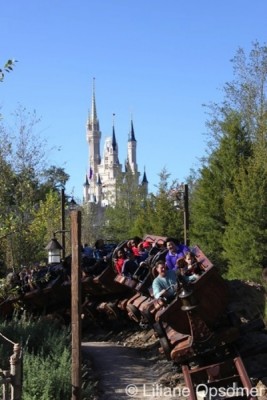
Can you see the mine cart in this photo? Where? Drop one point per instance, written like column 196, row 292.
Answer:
column 196, row 320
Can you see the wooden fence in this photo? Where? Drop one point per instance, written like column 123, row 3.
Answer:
column 11, row 380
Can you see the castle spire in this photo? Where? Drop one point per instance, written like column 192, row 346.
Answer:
column 114, row 142
column 144, row 180
column 86, row 189
column 131, row 152
column 131, row 133
column 92, row 122
column 93, row 116
column 144, row 183
column 93, row 136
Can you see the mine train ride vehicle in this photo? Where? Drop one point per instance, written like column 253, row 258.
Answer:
column 195, row 327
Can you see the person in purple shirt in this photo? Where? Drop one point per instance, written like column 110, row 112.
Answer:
column 175, row 252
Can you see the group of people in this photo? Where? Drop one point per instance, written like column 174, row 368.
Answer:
column 37, row 276
column 178, row 266
column 34, row 277
column 129, row 256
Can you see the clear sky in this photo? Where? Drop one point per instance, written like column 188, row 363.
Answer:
column 157, row 61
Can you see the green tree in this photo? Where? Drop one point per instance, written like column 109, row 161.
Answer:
column 92, row 223
column 23, row 158
column 46, row 220
column 54, row 177
column 228, row 166
column 143, row 223
column 216, row 180
column 245, row 94
column 120, row 217
column 157, row 214
column 246, row 232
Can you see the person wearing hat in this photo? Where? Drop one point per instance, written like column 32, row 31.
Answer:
column 143, row 249
column 147, row 245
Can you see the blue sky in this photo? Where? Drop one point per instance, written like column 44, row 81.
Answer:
column 157, row 61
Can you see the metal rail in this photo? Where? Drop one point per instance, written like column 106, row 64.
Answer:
column 222, row 379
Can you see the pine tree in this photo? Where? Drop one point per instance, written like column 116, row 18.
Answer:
column 246, row 233
column 158, row 214
column 215, row 182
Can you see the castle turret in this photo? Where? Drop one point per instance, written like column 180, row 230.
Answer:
column 144, row 183
column 86, row 187
column 98, row 190
column 93, row 136
column 114, row 152
column 132, row 150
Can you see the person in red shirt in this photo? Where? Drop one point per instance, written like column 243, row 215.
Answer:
column 119, row 260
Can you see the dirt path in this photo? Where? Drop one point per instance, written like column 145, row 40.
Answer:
column 124, row 373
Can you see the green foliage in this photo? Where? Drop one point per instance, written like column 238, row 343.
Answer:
column 53, row 380
column 229, row 196
column 8, row 67
column 247, row 93
column 216, row 180
column 46, row 348
column 144, row 222
column 46, row 219
column 120, row 218
column 136, row 214
column 92, row 224
column 53, row 178
column 25, row 186
column 246, row 233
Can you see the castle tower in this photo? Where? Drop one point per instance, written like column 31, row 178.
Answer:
column 144, row 184
column 100, row 184
column 93, row 136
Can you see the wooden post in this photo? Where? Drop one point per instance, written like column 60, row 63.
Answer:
column 6, row 385
column 76, row 303
column 16, row 373
column 186, row 215
column 63, row 241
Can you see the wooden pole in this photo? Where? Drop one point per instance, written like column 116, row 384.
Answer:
column 76, row 303
column 16, row 372
column 63, row 241
column 186, row 215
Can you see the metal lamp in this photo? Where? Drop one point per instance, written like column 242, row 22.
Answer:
column 54, row 251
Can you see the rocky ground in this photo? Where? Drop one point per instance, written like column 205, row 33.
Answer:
column 248, row 303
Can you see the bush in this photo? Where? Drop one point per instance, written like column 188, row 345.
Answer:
column 46, row 348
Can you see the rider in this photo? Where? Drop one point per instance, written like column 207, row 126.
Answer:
column 175, row 252
column 165, row 284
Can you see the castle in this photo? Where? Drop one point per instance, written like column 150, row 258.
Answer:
column 100, row 182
